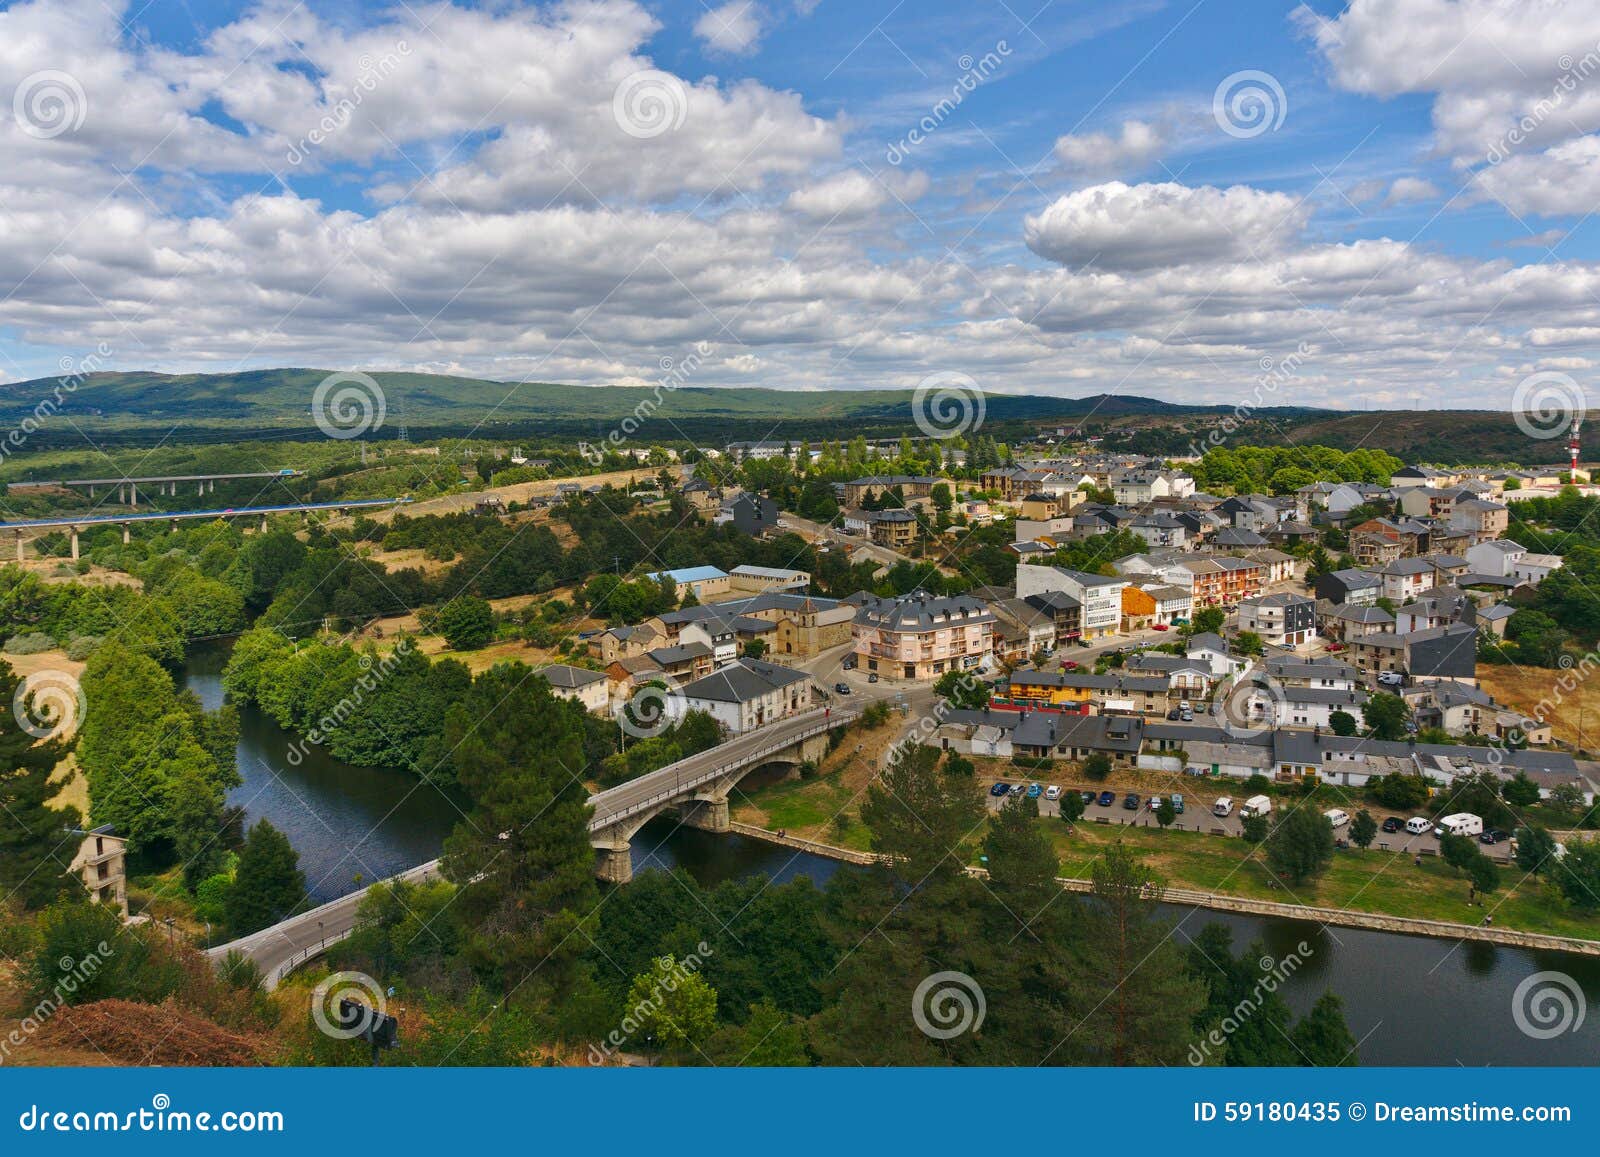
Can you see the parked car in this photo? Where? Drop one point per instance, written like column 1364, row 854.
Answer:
column 848, row 665
column 1223, row 807
column 1069, row 664
column 1000, row 788
column 1416, row 825
column 1035, row 791
column 873, row 677
column 1052, row 792
column 1459, row 824
column 1186, row 713
column 1494, row 836
column 1017, row 789
column 1088, row 797
column 1107, row 798
column 842, row 688
column 1338, row 817
column 1335, row 648
column 1391, row 678
column 1177, row 802
column 1256, row 805
column 1173, row 713
column 1131, row 801
column 1153, row 803
column 1392, row 824
column 1158, row 626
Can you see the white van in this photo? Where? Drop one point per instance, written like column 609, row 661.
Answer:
column 1416, row 825
column 1223, row 807
column 1338, row 817
column 1256, row 805
column 1459, row 824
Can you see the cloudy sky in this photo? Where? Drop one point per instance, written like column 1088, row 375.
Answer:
column 1064, row 197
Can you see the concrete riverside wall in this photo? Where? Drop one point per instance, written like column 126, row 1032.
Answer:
column 1342, row 917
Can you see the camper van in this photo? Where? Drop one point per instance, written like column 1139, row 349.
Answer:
column 1459, row 824
column 1223, row 807
column 1256, row 805
column 1338, row 817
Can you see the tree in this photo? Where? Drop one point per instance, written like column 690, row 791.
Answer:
column 1255, row 828
column 1536, row 848
column 1342, row 723
column 1322, row 1037
column 1458, row 851
column 1139, row 998
column 1577, row 875
column 268, row 885
column 1484, row 872
column 755, row 648
column 467, row 623
column 1235, row 983
column 1098, row 766
column 962, row 690
column 1019, row 852
column 1071, row 807
column 770, row 1038
column 1248, row 643
column 1385, row 716
column 521, row 857
column 673, row 1004
column 1207, row 620
column 918, row 817
column 1166, row 813
column 35, row 847
column 1520, row 791
column 1363, row 829
column 1399, row 791
column 1301, row 845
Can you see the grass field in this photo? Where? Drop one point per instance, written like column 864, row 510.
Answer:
column 1576, row 717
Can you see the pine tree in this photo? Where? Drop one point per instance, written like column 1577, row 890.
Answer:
column 1322, row 1037
column 35, row 847
column 268, row 885
column 522, row 856
column 1138, row 1001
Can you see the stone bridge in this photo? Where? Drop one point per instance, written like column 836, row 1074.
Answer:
column 697, row 788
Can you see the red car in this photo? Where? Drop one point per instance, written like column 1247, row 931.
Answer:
column 1335, row 648
column 1069, row 664
column 1158, row 626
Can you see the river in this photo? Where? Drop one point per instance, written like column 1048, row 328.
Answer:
column 1409, row 1000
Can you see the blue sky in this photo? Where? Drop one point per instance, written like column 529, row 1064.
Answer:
column 458, row 189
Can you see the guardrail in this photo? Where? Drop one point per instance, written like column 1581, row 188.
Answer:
column 720, row 767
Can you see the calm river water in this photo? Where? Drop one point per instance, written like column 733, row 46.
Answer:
column 1410, row 1000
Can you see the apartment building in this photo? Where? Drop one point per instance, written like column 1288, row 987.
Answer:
column 1223, row 581
column 1282, row 620
column 750, row 694
column 921, row 636
column 1100, row 596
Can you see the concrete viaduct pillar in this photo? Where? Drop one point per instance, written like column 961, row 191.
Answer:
column 20, row 544
column 75, row 543
column 125, row 534
column 708, row 815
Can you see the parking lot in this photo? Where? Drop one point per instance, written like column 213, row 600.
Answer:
column 1197, row 815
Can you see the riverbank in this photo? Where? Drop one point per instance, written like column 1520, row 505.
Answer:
column 1254, row 906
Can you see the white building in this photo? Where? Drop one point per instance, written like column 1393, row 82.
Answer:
column 589, row 688
column 1282, row 620
column 749, row 694
column 1100, row 596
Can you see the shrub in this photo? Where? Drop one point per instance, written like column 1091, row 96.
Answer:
column 82, row 647
column 31, row 643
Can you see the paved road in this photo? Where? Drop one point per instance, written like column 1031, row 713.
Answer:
column 1197, row 814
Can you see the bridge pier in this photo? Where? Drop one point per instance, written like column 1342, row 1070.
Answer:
column 19, row 546
column 708, row 815
column 615, row 865
column 74, row 544
column 124, row 534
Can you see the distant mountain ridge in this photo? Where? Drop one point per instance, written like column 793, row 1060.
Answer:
column 278, row 402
